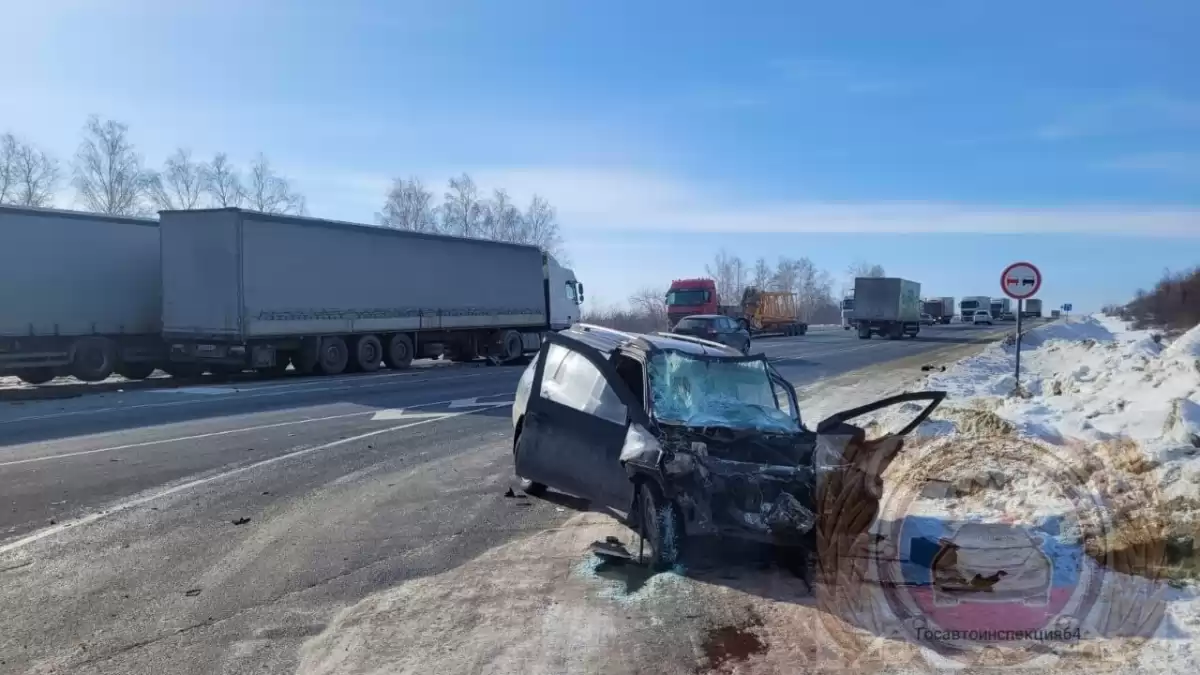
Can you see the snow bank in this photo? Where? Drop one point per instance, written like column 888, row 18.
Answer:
column 1117, row 410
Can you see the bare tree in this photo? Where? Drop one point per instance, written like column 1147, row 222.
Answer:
column 763, row 274
column 270, row 193
column 729, row 274
column 539, row 227
column 37, row 177
column 409, row 206
column 28, row 176
column 179, row 185
column 8, row 167
column 108, row 171
column 649, row 303
column 861, row 268
column 461, row 210
column 222, row 182
column 501, row 220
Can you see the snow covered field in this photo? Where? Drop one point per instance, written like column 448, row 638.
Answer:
column 1098, row 451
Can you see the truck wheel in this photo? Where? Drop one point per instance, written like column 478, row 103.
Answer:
column 864, row 333
column 94, row 359
column 35, row 375
column 802, row 329
column 137, row 370
column 896, row 332
column 368, row 353
column 511, row 345
column 333, row 357
column 399, row 354
column 183, row 370
column 661, row 527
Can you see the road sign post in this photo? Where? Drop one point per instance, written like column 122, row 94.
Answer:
column 1020, row 281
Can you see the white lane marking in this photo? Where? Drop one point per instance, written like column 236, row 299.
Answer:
column 203, row 391
column 167, row 404
column 474, row 401
column 401, row 413
column 227, row 432
column 125, row 506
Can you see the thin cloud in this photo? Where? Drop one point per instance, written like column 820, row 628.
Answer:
column 1181, row 164
column 1131, row 112
column 614, row 200
column 839, row 76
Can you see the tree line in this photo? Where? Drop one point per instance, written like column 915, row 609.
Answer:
column 813, row 287
column 1173, row 303
column 464, row 212
column 110, row 176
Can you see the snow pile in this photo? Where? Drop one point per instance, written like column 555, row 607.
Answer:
column 1113, row 412
column 1090, row 380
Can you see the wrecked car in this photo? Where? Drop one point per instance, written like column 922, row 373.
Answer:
column 678, row 436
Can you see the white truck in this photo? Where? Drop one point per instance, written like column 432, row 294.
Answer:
column 848, row 311
column 1032, row 310
column 247, row 290
column 998, row 307
column 887, row 306
column 971, row 304
column 79, row 295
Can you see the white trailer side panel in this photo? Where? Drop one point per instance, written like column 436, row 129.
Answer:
column 200, row 274
column 70, row 273
column 292, row 276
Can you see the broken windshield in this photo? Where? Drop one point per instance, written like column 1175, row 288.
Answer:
column 716, row 392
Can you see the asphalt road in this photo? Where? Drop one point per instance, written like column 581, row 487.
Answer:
column 215, row 528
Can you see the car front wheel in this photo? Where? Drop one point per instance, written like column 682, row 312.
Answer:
column 529, row 487
column 660, row 526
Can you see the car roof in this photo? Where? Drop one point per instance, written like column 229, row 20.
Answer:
column 607, row 340
column 701, row 316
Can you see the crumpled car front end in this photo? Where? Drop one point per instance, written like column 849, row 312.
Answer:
column 736, row 463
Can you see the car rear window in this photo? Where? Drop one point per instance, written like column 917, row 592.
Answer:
column 690, row 324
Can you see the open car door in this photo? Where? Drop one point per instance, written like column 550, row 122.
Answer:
column 575, row 423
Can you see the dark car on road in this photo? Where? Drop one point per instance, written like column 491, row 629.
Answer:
column 716, row 328
column 678, row 437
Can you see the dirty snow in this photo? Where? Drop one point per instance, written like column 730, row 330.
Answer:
column 1118, row 408
column 1095, row 381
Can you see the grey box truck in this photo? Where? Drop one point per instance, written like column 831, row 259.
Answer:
column 887, row 306
column 247, row 290
column 79, row 295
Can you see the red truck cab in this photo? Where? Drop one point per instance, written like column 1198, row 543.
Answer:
column 690, row 296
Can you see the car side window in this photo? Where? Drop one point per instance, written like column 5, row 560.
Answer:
column 571, row 380
column 724, row 324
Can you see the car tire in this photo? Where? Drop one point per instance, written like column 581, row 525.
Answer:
column 529, row 487
column 661, row 527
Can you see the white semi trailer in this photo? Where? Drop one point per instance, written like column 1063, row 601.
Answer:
column 247, row 290
column 79, row 295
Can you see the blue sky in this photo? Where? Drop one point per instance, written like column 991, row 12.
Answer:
column 942, row 140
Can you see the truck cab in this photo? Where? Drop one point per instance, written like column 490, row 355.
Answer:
column 848, row 312
column 564, row 294
column 686, row 297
